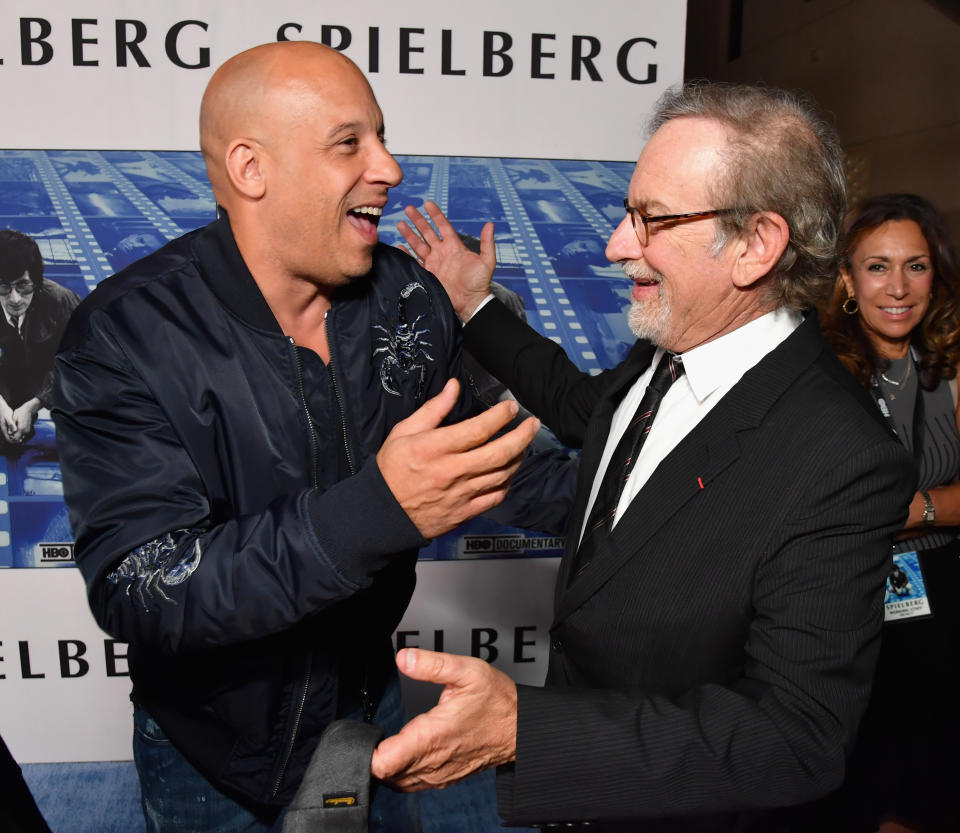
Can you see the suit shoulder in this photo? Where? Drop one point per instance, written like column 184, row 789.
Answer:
column 831, row 416
column 840, row 386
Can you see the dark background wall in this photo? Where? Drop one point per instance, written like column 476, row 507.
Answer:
column 887, row 70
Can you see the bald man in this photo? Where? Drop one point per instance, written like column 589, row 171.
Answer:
column 259, row 427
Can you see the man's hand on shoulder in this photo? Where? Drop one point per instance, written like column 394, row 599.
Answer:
column 472, row 727
column 464, row 274
column 443, row 476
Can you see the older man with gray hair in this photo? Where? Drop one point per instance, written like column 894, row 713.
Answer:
column 719, row 603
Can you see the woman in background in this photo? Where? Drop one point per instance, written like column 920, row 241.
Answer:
column 894, row 322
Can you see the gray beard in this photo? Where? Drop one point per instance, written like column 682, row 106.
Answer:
column 649, row 320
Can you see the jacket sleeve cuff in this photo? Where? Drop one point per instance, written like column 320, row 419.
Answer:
column 512, row 806
column 359, row 525
column 479, row 307
column 553, row 777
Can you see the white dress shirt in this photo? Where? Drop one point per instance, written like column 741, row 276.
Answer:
column 710, row 371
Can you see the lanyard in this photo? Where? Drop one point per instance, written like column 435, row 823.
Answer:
column 918, row 414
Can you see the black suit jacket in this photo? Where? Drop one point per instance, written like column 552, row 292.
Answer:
column 713, row 661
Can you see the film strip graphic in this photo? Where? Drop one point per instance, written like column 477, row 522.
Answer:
column 94, row 212
column 552, row 220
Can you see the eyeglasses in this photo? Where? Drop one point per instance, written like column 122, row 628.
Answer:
column 23, row 287
column 643, row 227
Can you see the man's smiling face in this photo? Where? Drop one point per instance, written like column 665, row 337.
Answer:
column 328, row 173
column 681, row 288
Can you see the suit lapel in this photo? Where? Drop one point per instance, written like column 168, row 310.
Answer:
column 698, row 459
column 594, row 440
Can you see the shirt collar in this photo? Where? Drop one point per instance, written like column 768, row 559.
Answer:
column 12, row 322
column 721, row 363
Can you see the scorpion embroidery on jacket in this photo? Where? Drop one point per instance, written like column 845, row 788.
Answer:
column 405, row 345
column 152, row 566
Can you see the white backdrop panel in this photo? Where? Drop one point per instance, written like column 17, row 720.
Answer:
column 64, row 693
column 499, row 78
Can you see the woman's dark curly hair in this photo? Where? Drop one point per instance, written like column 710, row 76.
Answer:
column 936, row 339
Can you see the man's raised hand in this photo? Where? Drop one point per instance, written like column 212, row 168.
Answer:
column 444, row 475
column 464, row 274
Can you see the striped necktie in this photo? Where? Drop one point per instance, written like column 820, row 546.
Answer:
column 623, row 460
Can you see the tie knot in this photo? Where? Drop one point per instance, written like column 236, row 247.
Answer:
column 668, row 371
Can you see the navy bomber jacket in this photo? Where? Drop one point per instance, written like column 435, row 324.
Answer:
column 231, row 522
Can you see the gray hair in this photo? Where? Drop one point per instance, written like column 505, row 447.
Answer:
column 783, row 157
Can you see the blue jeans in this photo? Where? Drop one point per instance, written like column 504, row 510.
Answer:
column 178, row 799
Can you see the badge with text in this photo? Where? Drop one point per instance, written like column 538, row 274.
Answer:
column 906, row 595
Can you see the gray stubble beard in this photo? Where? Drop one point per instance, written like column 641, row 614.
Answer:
column 647, row 320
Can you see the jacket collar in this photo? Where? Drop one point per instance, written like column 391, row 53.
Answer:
column 228, row 277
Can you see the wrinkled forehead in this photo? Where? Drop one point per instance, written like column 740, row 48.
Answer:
column 679, row 166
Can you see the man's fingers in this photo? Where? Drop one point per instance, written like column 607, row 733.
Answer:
column 394, row 754
column 431, row 413
column 409, row 761
column 418, row 248
column 476, row 430
column 436, row 667
column 427, row 232
column 439, row 219
column 488, row 251
column 512, row 444
column 493, row 478
column 486, row 455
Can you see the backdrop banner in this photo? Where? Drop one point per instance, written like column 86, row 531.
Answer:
column 536, row 78
column 528, row 114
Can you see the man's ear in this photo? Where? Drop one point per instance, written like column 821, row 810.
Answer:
column 244, row 168
column 762, row 245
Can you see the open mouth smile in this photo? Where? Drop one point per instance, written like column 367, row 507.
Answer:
column 365, row 218
column 368, row 213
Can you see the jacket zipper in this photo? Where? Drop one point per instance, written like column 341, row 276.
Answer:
column 314, row 481
column 296, row 728
column 366, row 701
column 336, row 392
column 314, row 442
